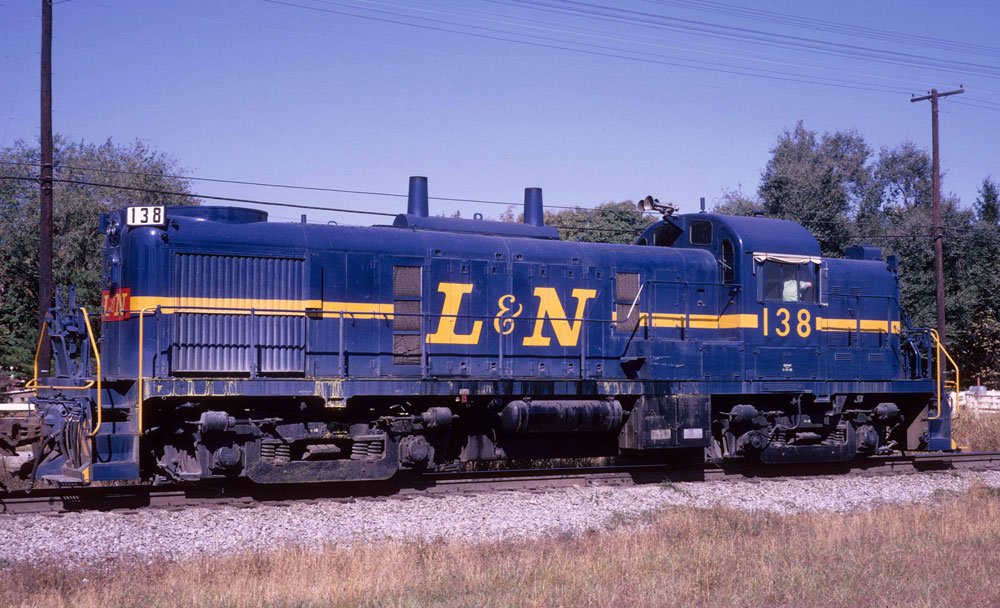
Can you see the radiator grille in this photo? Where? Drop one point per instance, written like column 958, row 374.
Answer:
column 231, row 342
column 229, row 279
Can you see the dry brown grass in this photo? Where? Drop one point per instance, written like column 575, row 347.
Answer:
column 928, row 555
column 980, row 432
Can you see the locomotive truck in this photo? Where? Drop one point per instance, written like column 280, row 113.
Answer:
column 234, row 347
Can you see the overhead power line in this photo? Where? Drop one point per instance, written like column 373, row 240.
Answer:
column 979, row 238
column 219, row 198
column 835, row 27
column 755, row 36
column 398, row 17
column 596, row 50
column 385, row 214
column 272, row 185
column 260, row 202
column 631, row 43
column 194, row 195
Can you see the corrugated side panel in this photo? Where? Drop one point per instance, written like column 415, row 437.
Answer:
column 283, row 342
column 236, row 342
column 228, row 280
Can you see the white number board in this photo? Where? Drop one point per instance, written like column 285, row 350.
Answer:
column 146, row 216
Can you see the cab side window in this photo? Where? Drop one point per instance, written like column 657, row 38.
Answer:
column 728, row 262
column 789, row 282
column 701, row 232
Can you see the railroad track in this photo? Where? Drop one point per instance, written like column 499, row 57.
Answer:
column 106, row 498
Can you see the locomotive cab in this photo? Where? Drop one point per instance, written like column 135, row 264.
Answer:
column 812, row 329
column 759, row 260
column 737, row 242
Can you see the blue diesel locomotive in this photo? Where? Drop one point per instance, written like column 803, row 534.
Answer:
column 231, row 346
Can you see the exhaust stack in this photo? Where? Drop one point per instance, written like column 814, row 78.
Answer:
column 534, row 213
column 416, row 199
column 417, row 217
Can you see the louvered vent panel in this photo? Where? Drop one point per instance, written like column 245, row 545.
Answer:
column 230, row 280
column 626, row 292
column 206, row 341
column 282, row 344
column 407, row 305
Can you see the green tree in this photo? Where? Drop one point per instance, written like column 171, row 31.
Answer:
column 972, row 297
column 980, row 359
column 818, row 181
column 734, row 202
column 76, row 238
column 902, row 178
column 910, row 236
column 843, row 194
column 608, row 223
column 902, row 224
column 988, row 203
column 508, row 215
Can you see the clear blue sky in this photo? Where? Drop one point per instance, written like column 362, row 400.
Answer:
column 300, row 92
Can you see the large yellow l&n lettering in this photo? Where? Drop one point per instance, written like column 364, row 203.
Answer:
column 445, row 334
column 549, row 307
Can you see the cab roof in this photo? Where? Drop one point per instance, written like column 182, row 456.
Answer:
column 756, row 234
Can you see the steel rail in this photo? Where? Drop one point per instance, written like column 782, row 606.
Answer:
column 107, row 498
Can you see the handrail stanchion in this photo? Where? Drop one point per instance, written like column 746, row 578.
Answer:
column 937, row 380
column 255, row 356
column 937, row 373
column 141, row 382
column 342, row 366
column 33, row 383
column 500, row 337
column 97, row 357
column 686, row 321
column 423, row 345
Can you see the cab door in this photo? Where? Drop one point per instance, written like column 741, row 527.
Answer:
column 723, row 357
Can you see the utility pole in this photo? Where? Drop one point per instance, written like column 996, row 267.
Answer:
column 936, row 160
column 45, row 187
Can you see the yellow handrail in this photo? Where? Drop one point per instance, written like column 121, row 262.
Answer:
column 33, row 383
column 138, row 409
column 97, row 357
column 941, row 349
column 38, row 349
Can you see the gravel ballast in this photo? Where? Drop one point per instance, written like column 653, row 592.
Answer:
column 95, row 537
